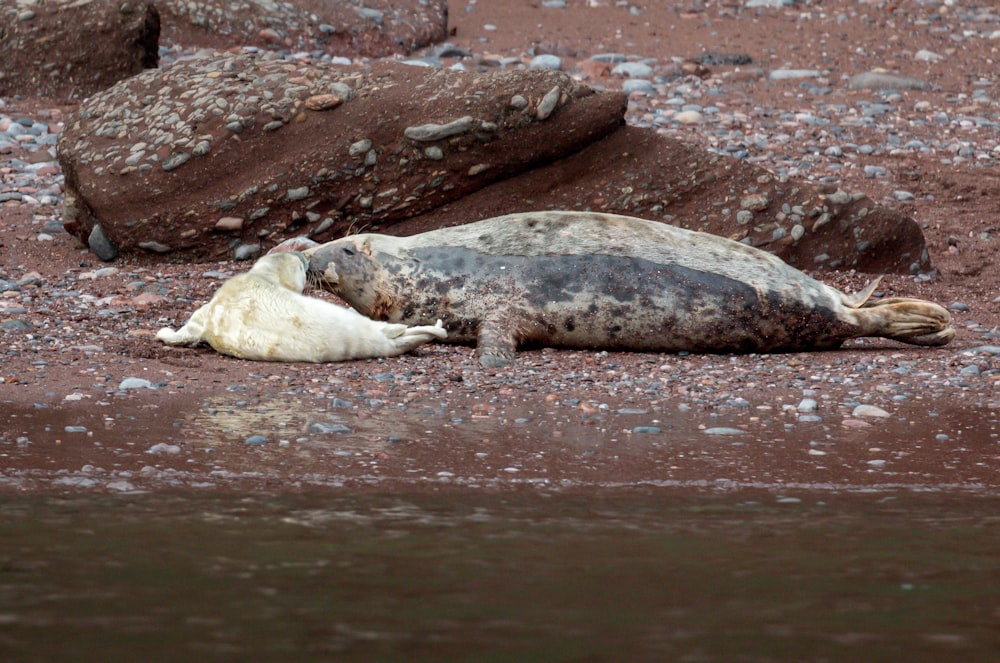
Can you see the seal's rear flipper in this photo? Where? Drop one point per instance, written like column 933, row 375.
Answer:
column 913, row 321
column 859, row 299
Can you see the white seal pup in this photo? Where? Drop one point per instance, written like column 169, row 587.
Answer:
column 262, row 315
column 606, row 282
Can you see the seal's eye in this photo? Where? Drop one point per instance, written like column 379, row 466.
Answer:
column 348, row 251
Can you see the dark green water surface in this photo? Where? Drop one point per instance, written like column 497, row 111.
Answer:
column 516, row 576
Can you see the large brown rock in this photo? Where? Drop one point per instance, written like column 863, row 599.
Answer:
column 211, row 157
column 69, row 50
column 370, row 28
column 640, row 173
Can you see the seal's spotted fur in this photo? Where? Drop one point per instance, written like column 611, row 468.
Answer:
column 602, row 281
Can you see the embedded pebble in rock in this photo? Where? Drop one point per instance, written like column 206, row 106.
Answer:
column 433, row 132
column 722, row 430
column 255, row 440
column 229, row 223
column 315, row 171
column 548, row 103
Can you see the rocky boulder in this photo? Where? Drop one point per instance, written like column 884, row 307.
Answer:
column 370, row 28
column 69, row 50
column 216, row 156
column 640, row 173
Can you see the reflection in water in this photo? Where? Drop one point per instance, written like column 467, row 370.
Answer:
column 514, row 575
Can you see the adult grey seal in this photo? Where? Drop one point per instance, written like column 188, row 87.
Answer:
column 262, row 315
column 604, row 281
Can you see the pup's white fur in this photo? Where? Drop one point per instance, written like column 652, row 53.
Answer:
column 262, row 315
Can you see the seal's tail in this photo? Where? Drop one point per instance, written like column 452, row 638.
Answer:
column 913, row 321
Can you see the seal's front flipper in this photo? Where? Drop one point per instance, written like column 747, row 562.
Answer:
column 497, row 343
column 430, row 332
column 393, row 330
column 182, row 336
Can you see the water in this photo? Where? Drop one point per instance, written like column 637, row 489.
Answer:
column 467, row 530
column 499, row 576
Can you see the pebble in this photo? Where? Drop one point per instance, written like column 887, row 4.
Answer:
column 163, row 448
column 246, row 251
column 99, row 243
column 328, row 428
column 984, row 350
column 792, row 74
column 876, row 80
column 546, row 62
column 648, row 430
column 924, row 55
column 870, row 411
column 255, row 440
column 632, row 70
column 638, row 85
column 724, row 431
column 807, row 405
column 689, row 117
column 135, row 383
